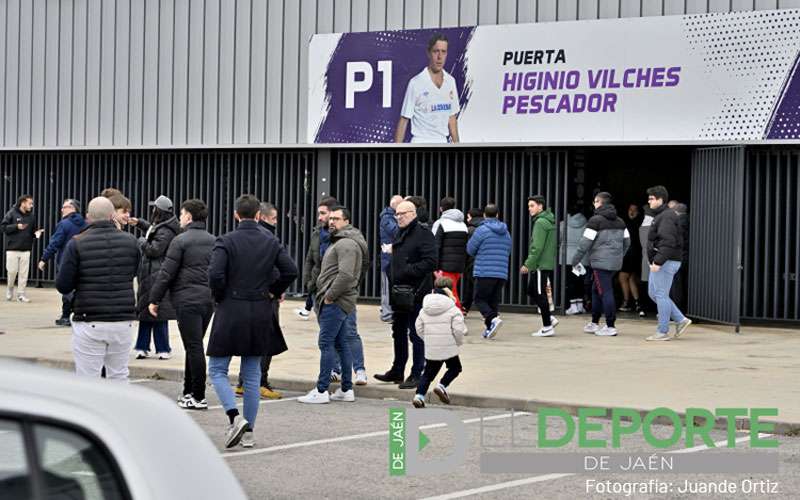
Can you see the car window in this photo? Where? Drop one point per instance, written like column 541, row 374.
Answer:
column 15, row 478
column 73, row 467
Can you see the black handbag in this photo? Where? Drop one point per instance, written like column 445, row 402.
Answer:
column 402, row 298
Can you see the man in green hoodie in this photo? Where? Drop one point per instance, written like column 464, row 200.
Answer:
column 541, row 261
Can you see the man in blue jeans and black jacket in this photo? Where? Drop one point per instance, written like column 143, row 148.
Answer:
column 664, row 252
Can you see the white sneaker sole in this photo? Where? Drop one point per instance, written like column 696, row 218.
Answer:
column 543, row 334
column 653, row 338
column 344, row 399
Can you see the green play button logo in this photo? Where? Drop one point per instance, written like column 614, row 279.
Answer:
column 423, row 440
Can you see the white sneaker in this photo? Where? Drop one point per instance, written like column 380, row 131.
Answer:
column 193, row 404
column 315, row 397
column 346, row 396
column 142, row 354
column 234, row 433
column 548, row 331
column 361, row 377
column 681, row 327
column 10, row 294
column 659, row 336
column 164, row 355
column 248, row 440
column 572, row 309
column 491, row 332
column 418, row 401
column 553, row 321
column 302, row 313
column 606, row 331
column 22, row 298
column 591, row 328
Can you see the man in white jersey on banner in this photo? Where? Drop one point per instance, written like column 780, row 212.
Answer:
column 431, row 101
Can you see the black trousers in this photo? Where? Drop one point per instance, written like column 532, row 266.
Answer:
column 193, row 322
column 487, row 297
column 537, row 291
column 432, row 367
column 467, row 288
column 679, row 291
column 603, row 297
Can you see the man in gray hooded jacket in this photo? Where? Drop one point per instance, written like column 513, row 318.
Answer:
column 606, row 240
column 337, row 290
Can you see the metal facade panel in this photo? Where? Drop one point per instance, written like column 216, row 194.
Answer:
column 205, row 72
column 716, row 225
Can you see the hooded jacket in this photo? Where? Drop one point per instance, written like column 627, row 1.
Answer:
column 542, row 247
column 441, row 326
column 16, row 239
column 605, row 240
column 345, row 262
column 66, row 228
column 388, row 230
column 491, row 247
column 154, row 247
column 451, row 239
column 665, row 239
column 575, row 224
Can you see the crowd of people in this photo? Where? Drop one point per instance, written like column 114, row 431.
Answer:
column 433, row 274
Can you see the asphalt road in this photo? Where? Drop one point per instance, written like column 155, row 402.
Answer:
column 341, row 450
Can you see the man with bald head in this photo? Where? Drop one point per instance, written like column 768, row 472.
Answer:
column 98, row 266
column 414, row 258
column 388, row 230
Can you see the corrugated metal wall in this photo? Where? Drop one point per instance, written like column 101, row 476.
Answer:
column 288, row 179
column 365, row 180
column 210, row 72
column 771, row 283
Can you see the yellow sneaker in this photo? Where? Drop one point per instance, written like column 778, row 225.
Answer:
column 270, row 393
column 239, row 391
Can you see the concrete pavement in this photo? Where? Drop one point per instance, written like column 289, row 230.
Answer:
column 710, row 367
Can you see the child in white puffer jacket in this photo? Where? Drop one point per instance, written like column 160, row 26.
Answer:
column 441, row 325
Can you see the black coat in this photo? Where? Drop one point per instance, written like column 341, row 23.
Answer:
column 99, row 265
column 665, row 239
column 21, row 241
column 154, row 248
column 242, row 276
column 184, row 271
column 414, row 259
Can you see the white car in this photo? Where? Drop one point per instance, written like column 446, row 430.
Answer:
column 64, row 436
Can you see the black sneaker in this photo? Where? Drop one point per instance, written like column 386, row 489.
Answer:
column 389, row 376
column 410, row 383
column 625, row 307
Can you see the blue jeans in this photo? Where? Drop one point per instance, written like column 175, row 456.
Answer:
column 251, row 376
column 160, row 331
column 334, row 324
column 356, row 347
column 658, row 288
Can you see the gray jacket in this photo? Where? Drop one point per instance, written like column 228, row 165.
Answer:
column 575, row 225
column 342, row 268
column 605, row 239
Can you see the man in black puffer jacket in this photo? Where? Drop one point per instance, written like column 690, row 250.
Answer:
column 451, row 239
column 664, row 252
column 184, row 272
column 98, row 266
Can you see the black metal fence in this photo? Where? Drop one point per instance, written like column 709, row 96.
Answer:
column 287, row 178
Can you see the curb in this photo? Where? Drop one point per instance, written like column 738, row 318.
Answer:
column 390, row 392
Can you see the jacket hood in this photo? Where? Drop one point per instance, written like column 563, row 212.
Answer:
column 436, row 304
column 576, row 220
column 75, row 218
column 546, row 215
column 476, row 221
column 496, row 226
column 387, row 211
column 453, row 214
column 607, row 211
column 351, row 233
column 422, row 215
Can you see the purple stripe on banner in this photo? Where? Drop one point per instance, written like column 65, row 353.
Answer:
column 785, row 120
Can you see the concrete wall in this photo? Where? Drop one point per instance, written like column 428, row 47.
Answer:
column 164, row 73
